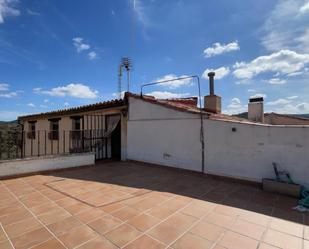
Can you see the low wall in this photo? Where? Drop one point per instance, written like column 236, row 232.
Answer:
column 247, row 151
column 39, row 164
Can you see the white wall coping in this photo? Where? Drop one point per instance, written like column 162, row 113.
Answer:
column 45, row 163
column 43, row 157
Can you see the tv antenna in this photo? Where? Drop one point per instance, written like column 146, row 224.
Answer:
column 126, row 63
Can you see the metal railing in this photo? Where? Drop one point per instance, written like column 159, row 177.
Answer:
column 21, row 144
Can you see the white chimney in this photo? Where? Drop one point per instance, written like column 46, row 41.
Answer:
column 256, row 109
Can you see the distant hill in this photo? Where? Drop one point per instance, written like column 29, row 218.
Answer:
column 8, row 122
column 299, row 115
column 8, row 125
column 242, row 115
column 245, row 115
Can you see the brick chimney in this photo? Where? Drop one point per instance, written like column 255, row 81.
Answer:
column 212, row 102
column 256, row 109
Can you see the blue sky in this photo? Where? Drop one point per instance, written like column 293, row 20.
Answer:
column 56, row 54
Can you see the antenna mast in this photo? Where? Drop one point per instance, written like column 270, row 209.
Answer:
column 119, row 81
column 126, row 62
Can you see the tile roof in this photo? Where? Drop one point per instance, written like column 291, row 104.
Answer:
column 180, row 104
column 186, row 105
column 78, row 109
column 176, row 104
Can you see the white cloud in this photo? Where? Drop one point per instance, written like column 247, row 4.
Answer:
column 218, row 48
column 139, row 10
column 92, row 55
column 279, row 102
column 4, row 87
column 292, row 108
column 46, row 100
column 176, row 83
column 288, row 105
column 295, row 74
column 276, row 81
column 8, row 95
column 80, row 46
column 285, row 26
column 251, row 90
column 284, row 62
column 302, row 39
column 8, row 8
column 31, row 105
column 220, row 72
column 235, row 102
column 66, row 104
column 305, row 8
column 117, row 95
column 259, row 95
column 77, row 90
column 292, row 97
column 235, row 107
column 32, row 13
column 167, row 95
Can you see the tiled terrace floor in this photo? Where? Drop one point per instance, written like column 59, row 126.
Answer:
column 127, row 205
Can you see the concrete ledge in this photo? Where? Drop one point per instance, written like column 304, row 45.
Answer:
column 46, row 163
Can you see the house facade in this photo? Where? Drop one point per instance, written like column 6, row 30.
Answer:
column 99, row 128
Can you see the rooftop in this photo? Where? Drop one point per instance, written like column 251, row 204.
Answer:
column 130, row 205
column 189, row 105
column 181, row 104
column 78, row 109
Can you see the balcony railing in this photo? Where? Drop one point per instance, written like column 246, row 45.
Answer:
column 53, row 135
column 19, row 144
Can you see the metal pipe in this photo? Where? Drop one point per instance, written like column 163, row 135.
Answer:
column 120, row 81
column 211, row 76
column 202, row 137
column 128, row 79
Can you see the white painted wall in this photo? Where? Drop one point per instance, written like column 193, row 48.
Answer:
column 168, row 137
column 163, row 136
column 30, row 165
column 249, row 152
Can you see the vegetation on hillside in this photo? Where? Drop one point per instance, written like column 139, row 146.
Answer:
column 10, row 140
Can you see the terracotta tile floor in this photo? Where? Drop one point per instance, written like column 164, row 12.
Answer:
column 135, row 206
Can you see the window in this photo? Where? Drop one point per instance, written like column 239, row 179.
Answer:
column 76, row 124
column 76, row 127
column 31, row 131
column 54, row 129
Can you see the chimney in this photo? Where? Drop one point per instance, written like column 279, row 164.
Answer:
column 212, row 102
column 256, row 109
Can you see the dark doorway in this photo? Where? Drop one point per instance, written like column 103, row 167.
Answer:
column 116, row 142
